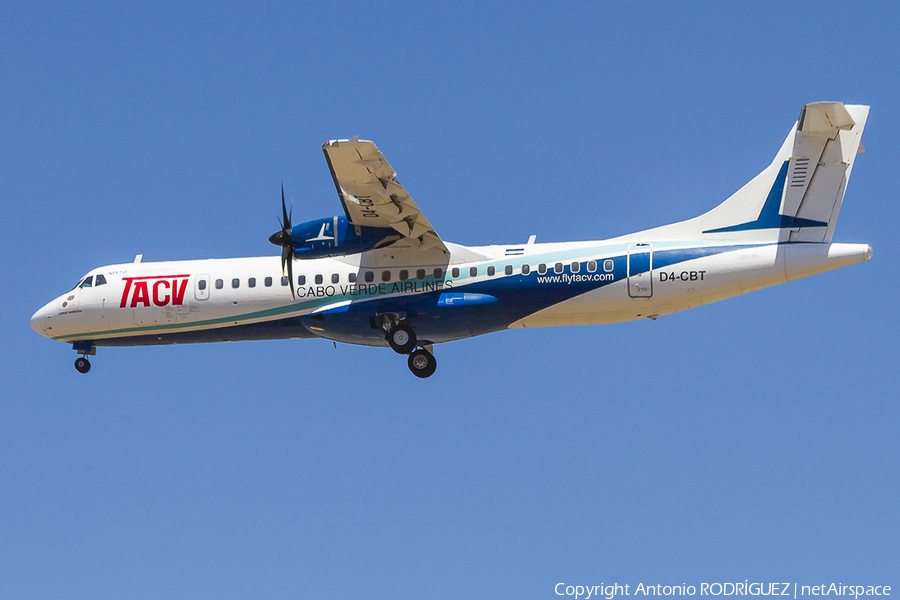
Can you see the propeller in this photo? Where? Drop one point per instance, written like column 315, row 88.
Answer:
column 283, row 239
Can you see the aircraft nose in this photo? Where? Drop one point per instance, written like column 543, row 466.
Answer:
column 36, row 320
column 39, row 320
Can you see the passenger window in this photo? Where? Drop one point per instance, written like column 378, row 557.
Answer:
column 576, row 267
column 592, row 266
column 420, row 274
column 454, row 273
column 557, row 268
column 268, row 282
column 351, row 277
column 370, row 276
column 201, row 285
column 526, row 269
column 438, row 273
column 251, row 282
column 319, row 279
column 335, row 278
column 284, row 281
column 101, row 280
column 235, row 283
column 87, row 281
column 608, row 265
column 508, row 270
column 491, row 271
column 219, row 284
column 301, row 279
column 473, row 271
column 542, row 268
column 404, row 274
column 385, row 275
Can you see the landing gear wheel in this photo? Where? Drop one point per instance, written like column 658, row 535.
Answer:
column 82, row 365
column 422, row 363
column 402, row 339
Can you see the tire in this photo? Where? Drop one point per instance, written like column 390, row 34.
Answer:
column 82, row 365
column 422, row 363
column 402, row 339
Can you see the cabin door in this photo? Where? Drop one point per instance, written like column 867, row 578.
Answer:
column 640, row 270
column 201, row 287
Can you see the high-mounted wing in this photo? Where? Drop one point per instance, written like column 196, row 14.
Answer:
column 372, row 197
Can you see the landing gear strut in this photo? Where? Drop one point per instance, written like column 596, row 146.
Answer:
column 397, row 332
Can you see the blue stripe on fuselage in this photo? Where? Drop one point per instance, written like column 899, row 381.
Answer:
column 523, row 295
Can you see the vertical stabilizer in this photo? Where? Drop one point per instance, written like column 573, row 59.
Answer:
column 799, row 195
column 825, row 148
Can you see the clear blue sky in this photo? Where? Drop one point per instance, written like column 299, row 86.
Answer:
column 754, row 438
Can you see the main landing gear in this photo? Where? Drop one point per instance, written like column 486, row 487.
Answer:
column 422, row 363
column 402, row 340
column 85, row 349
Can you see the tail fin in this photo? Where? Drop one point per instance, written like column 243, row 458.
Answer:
column 796, row 198
column 828, row 138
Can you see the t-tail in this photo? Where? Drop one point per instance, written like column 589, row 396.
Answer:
column 798, row 197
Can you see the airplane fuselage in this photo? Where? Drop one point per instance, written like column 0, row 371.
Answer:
column 530, row 285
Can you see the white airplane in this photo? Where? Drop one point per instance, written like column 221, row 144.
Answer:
column 382, row 276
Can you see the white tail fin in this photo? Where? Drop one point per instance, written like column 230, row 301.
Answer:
column 796, row 198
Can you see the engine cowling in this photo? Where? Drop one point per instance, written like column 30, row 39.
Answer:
column 335, row 236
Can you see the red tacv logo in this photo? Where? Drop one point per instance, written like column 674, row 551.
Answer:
column 162, row 290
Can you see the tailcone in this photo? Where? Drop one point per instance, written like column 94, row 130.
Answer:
column 803, row 260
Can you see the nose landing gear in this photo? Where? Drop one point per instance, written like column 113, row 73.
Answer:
column 85, row 349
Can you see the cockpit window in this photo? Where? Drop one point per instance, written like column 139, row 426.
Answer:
column 88, row 281
column 101, row 280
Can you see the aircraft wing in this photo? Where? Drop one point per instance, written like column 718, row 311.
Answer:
column 372, row 197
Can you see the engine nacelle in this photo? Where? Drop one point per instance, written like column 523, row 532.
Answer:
column 335, row 236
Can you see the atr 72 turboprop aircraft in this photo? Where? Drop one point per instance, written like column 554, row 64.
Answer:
column 382, row 276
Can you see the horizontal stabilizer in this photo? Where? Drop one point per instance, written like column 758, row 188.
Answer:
column 824, row 118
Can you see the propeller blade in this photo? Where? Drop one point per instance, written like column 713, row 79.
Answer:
column 290, row 268
column 287, row 218
column 283, row 238
column 287, row 260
